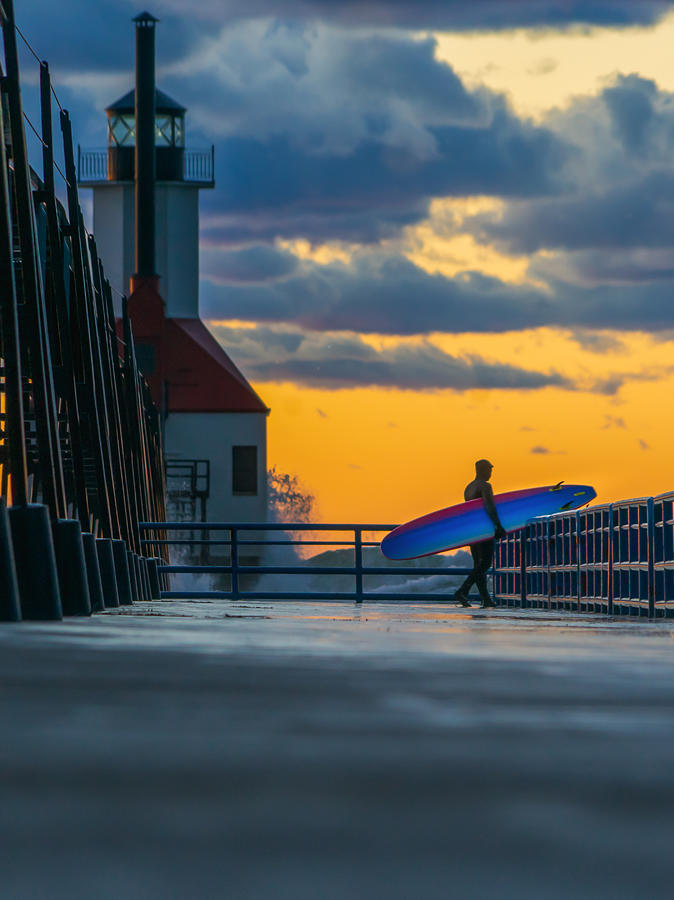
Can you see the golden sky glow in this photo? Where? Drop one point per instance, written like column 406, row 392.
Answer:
column 389, row 455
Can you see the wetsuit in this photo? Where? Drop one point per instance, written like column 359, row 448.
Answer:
column 483, row 551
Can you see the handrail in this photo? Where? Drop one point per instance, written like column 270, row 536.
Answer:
column 614, row 558
column 239, row 568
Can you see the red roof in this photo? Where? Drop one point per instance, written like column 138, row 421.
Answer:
column 200, row 375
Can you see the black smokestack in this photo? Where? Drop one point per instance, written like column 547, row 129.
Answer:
column 145, row 153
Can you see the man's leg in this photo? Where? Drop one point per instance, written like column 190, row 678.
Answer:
column 482, row 566
column 462, row 594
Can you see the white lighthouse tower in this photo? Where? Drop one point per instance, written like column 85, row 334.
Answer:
column 214, row 422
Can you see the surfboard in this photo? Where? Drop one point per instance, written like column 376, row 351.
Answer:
column 468, row 523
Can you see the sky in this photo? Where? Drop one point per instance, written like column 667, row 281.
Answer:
column 440, row 231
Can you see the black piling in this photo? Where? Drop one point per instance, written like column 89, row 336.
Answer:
column 155, row 590
column 93, row 572
column 72, row 568
column 106, row 563
column 146, row 579
column 122, row 573
column 10, row 607
column 139, row 575
column 133, row 576
column 35, row 562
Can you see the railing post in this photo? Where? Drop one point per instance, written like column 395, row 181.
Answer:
column 649, row 551
column 578, row 590
column 610, row 559
column 358, row 548
column 547, row 561
column 523, row 568
column 234, row 553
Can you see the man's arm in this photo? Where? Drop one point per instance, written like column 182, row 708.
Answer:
column 490, row 508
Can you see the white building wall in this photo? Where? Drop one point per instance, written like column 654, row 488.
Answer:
column 212, row 436
column 176, row 241
column 178, row 248
column 114, row 232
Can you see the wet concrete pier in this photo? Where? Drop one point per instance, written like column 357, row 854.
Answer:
column 207, row 750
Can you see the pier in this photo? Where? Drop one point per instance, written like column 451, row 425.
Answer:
column 255, row 709
column 258, row 750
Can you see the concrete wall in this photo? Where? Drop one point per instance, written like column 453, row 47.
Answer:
column 212, row 436
column 176, row 243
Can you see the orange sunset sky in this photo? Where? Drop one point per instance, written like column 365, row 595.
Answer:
column 387, row 453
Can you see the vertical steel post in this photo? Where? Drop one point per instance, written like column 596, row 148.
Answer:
column 649, row 549
column 52, row 481
column 578, row 590
column 358, row 550
column 82, row 313
column 610, row 559
column 524, row 543
column 65, row 371
column 15, row 427
column 234, row 558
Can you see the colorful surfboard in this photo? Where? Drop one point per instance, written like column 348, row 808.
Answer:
column 468, row 523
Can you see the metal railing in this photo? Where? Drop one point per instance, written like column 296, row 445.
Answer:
column 198, row 165
column 615, row 558
column 244, row 537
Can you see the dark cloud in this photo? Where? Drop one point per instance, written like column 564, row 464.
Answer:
column 250, row 264
column 320, row 132
column 338, row 361
column 643, row 444
column 358, row 151
column 626, row 266
column 86, row 37
column 541, row 450
column 597, row 342
column 383, row 294
column 637, row 214
column 616, row 223
column 631, row 107
column 485, row 15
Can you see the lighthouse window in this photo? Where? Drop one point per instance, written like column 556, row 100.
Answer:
column 162, row 130
column 179, row 133
column 123, row 129
column 244, row 470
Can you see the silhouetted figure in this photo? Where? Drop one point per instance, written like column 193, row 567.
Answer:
column 483, row 551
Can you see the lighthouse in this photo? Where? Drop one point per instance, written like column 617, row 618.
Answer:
column 146, row 186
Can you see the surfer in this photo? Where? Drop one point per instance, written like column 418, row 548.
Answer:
column 483, row 551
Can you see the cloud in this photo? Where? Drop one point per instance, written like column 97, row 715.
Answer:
column 338, row 361
column 596, row 342
column 613, row 422
column 643, row 444
column 321, row 132
column 539, row 449
column 626, row 266
column 630, row 103
column 450, row 14
column 356, row 146
column 617, row 214
column 636, row 214
column 387, row 294
column 251, row 264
